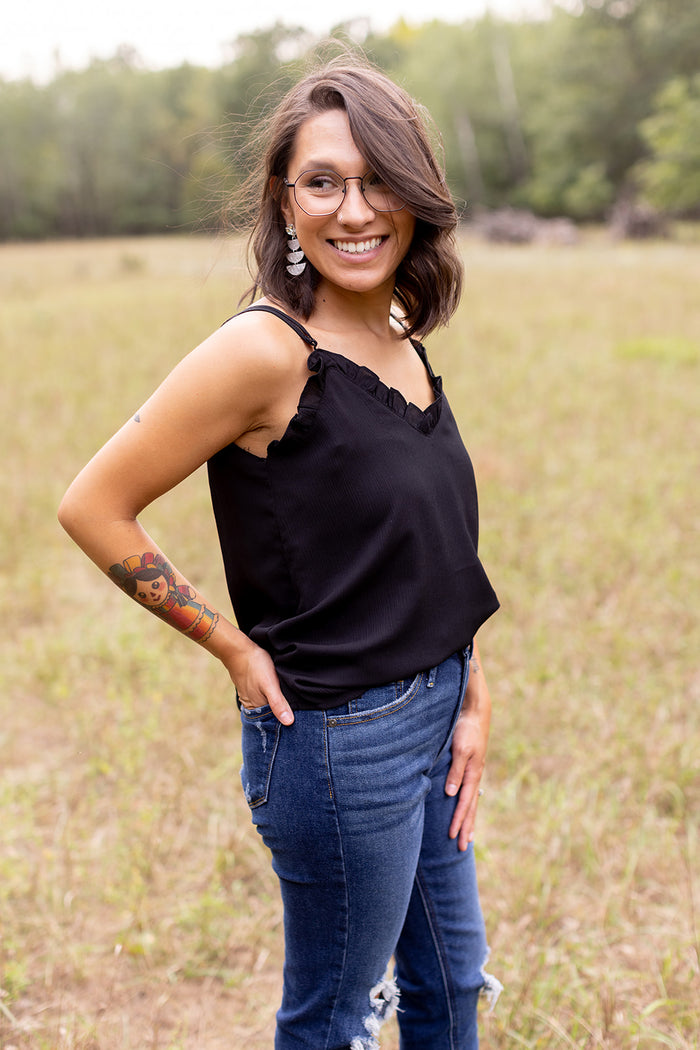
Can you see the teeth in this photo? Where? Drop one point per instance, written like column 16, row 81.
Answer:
column 358, row 247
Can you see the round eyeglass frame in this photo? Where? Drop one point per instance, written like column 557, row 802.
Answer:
column 350, row 178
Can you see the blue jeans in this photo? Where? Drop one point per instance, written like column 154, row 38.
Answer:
column 351, row 804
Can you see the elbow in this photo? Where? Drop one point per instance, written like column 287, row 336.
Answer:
column 88, row 516
column 76, row 512
column 69, row 514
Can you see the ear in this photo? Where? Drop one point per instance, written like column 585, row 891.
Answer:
column 280, row 191
column 287, row 209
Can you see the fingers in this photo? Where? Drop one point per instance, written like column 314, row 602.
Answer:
column 281, row 710
column 455, row 775
column 275, row 698
column 275, row 701
column 463, row 782
column 464, row 817
column 464, row 774
column 262, row 688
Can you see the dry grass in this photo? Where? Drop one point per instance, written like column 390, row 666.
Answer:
column 137, row 908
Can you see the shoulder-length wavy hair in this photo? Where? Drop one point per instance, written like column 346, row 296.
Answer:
column 391, row 131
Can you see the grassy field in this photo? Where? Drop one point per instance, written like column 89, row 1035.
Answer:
column 137, row 908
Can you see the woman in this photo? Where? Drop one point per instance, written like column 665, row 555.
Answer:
column 346, row 509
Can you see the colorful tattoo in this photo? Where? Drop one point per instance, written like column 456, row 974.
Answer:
column 149, row 579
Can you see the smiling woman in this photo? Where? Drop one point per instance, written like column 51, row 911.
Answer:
column 346, row 508
column 346, row 238
column 378, row 151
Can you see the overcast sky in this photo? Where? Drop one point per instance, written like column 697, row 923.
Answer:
column 33, row 32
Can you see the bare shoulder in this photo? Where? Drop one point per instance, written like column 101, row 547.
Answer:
column 239, row 379
column 246, row 363
column 253, row 342
column 263, row 345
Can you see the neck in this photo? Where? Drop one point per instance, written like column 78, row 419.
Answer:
column 337, row 309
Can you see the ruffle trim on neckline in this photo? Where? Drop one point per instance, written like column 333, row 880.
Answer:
column 423, row 420
column 303, row 419
column 319, row 360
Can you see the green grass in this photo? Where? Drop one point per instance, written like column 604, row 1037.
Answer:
column 137, row 907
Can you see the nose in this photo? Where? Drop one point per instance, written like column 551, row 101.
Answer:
column 354, row 211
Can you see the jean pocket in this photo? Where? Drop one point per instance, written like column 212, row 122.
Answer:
column 260, row 735
column 378, row 703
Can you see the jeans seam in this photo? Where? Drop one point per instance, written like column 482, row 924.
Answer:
column 339, row 983
column 327, row 763
column 441, row 956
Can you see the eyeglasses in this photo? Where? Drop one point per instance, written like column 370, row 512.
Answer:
column 322, row 192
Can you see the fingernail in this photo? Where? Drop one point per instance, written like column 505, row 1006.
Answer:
column 287, row 718
column 451, row 789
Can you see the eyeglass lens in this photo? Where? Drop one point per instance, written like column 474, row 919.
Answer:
column 322, row 192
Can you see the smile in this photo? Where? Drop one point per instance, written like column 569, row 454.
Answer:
column 357, row 247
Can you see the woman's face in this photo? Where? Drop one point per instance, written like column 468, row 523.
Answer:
column 356, row 249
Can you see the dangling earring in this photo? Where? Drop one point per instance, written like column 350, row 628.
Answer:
column 295, row 255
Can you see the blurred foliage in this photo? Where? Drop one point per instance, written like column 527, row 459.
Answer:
column 563, row 115
column 670, row 177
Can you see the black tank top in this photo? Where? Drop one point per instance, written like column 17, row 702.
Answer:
column 350, row 550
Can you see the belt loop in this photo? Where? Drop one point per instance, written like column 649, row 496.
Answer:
column 432, row 673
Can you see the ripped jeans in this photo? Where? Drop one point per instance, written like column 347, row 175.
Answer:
column 351, row 804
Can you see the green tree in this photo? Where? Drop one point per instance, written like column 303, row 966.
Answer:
column 561, row 115
column 28, row 170
column 453, row 70
column 670, row 177
column 127, row 140
column 110, row 174
column 599, row 75
column 186, row 139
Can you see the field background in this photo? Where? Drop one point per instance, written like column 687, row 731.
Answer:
column 137, row 908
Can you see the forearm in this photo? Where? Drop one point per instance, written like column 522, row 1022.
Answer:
column 153, row 582
column 127, row 554
column 184, row 608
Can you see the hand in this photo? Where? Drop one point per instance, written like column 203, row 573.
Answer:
column 469, row 753
column 254, row 676
column 468, row 758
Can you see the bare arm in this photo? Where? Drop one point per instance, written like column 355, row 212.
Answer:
column 469, row 753
column 216, row 395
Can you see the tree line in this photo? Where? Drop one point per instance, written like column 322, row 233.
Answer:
column 566, row 115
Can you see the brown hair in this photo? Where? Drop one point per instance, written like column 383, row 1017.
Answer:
column 391, row 131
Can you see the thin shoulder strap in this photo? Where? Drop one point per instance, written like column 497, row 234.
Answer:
column 298, row 328
column 417, row 346
column 421, row 351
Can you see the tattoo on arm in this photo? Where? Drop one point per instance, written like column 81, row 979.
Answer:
column 149, row 579
column 137, row 417
column 475, row 668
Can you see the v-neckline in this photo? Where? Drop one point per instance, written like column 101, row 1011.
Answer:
column 422, row 419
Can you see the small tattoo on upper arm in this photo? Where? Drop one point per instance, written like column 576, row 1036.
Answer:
column 137, row 417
